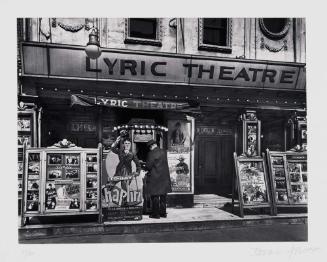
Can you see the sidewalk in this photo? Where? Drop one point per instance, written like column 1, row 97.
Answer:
column 194, row 219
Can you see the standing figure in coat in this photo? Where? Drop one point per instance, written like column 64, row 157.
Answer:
column 158, row 179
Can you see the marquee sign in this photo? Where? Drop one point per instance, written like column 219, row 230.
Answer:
column 129, row 103
column 71, row 62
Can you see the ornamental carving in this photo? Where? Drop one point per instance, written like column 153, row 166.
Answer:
column 271, row 48
column 87, row 25
column 64, row 144
column 44, row 27
column 275, row 28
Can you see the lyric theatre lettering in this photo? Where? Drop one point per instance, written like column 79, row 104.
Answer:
column 245, row 73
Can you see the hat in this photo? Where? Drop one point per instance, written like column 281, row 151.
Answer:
column 150, row 143
column 180, row 158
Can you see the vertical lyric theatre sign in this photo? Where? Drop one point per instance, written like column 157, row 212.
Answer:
column 179, row 155
column 122, row 193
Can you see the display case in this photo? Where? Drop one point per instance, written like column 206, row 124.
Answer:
column 26, row 134
column 61, row 181
column 251, row 134
column 289, row 178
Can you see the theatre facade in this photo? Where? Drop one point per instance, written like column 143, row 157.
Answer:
column 175, row 84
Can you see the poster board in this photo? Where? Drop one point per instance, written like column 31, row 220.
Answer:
column 122, row 196
column 289, row 178
column 179, row 156
column 252, row 183
column 61, row 181
column 26, row 135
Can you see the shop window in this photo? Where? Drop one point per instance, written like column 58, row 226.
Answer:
column 143, row 31
column 215, row 34
column 274, row 28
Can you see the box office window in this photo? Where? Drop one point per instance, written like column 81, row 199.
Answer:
column 214, row 34
column 143, row 31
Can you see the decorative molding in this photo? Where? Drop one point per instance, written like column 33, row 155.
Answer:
column 88, row 24
column 216, row 48
column 47, row 34
column 143, row 41
column 264, row 45
column 70, row 28
column 271, row 35
column 25, row 106
column 54, row 22
column 64, row 144
column 173, row 23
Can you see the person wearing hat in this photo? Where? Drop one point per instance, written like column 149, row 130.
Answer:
column 182, row 167
column 158, row 179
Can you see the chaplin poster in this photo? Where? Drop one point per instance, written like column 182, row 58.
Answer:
column 121, row 190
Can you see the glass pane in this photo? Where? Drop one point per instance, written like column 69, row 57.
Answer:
column 91, row 182
column 62, row 191
column 275, row 25
column 33, row 182
column 215, row 31
column 215, row 22
column 143, row 28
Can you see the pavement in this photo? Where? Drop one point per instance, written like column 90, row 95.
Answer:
column 181, row 225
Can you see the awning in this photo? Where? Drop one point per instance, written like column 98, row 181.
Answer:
column 132, row 103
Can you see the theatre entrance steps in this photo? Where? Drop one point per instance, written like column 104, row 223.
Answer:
column 210, row 200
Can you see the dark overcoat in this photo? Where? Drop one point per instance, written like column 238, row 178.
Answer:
column 158, row 178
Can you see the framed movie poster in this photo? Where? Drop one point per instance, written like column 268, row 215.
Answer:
column 289, row 177
column 22, row 138
column 179, row 155
column 122, row 197
column 62, row 196
column 252, row 182
column 180, row 173
column 24, row 124
column 179, row 132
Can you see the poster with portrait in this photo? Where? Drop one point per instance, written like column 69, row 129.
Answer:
column 62, row 196
column 24, row 124
column 22, row 138
column 180, row 173
column 179, row 133
column 122, row 193
column 179, row 155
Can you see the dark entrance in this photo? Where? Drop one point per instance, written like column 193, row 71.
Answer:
column 214, row 165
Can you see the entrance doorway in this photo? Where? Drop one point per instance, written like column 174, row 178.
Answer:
column 214, row 165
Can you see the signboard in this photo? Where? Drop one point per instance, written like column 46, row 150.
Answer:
column 179, row 155
column 164, row 68
column 130, row 103
column 122, row 197
column 213, row 131
column 289, row 178
column 252, row 182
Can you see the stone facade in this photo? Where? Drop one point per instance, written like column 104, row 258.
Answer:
column 178, row 35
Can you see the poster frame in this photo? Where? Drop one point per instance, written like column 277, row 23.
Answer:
column 269, row 204
column 271, row 154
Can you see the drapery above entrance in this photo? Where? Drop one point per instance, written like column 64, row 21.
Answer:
column 132, row 103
